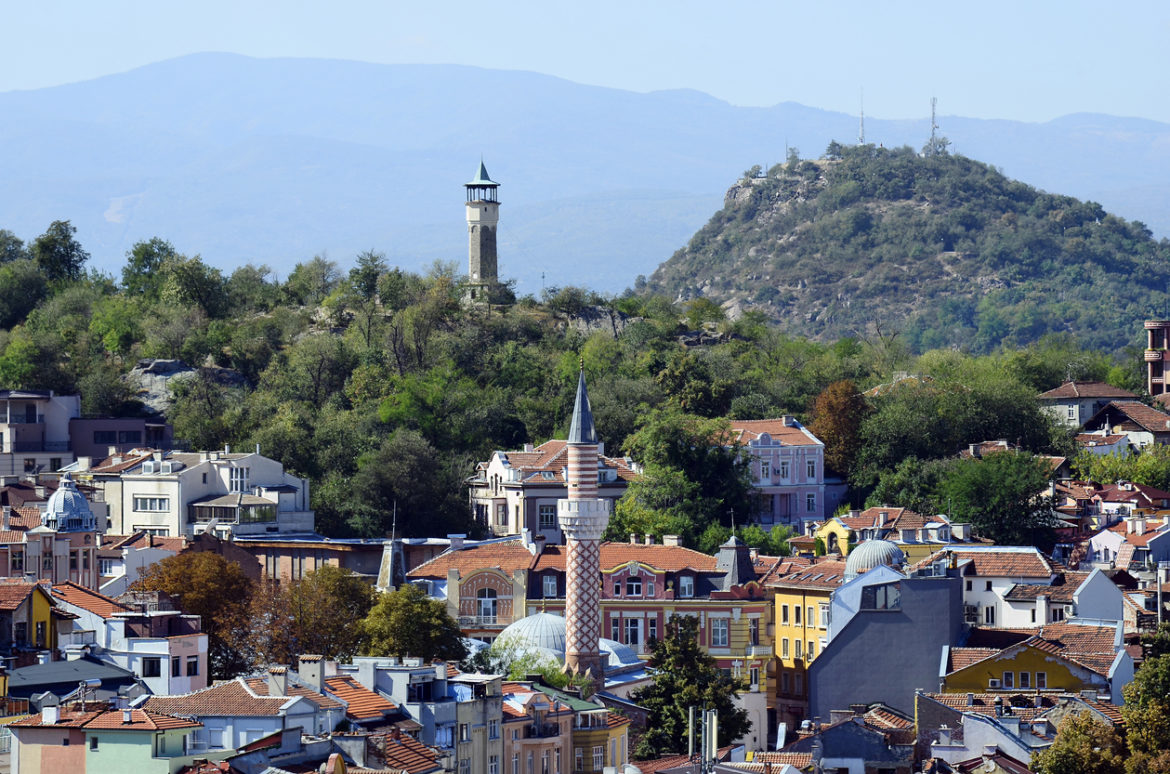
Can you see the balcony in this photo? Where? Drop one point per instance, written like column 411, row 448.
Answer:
column 542, row 731
column 484, row 621
column 1153, row 355
column 40, row 446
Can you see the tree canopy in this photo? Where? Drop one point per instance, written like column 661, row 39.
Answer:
column 406, row 622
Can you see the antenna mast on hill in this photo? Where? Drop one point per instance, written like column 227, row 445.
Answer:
column 933, row 123
column 861, row 126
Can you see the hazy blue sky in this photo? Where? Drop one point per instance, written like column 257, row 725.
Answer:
column 989, row 59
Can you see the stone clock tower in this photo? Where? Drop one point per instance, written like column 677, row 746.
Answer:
column 483, row 218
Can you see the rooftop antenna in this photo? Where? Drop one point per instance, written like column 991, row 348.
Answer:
column 861, row 126
column 933, row 123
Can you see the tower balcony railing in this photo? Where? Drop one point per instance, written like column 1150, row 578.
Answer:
column 1153, row 355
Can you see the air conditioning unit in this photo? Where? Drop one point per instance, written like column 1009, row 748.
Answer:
column 993, row 682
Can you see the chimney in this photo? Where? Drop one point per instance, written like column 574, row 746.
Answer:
column 671, row 540
column 227, row 449
column 999, row 706
column 600, row 449
column 970, row 700
column 944, row 735
column 50, row 715
column 754, row 553
column 44, row 657
column 278, row 681
column 84, row 463
column 529, row 447
column 312, row 670
column 456, row 540
column 127, row 716
column 1042, row 610
column 40, row 490
column 5, row 516
column 649, row 540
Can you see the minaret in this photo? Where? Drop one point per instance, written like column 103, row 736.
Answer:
column 583, row 517
column 483, row 217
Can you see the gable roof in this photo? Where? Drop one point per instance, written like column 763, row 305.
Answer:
column 546, row 463
column 109, row 720
column 259, row 686
column 364, row 704
column 91, row 601
column 1085, row 390
column 997, row 561
column 14, row 591
column 786, row 430
column 614, row 555
column 826, row 574
column 229, row 698
column 1145, row 417
column 405, row 753
column 1061, row 590
column 507, row 556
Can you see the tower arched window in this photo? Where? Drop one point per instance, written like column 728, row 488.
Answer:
column 487, row 605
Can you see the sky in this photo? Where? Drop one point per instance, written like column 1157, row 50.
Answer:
column 1021, row 60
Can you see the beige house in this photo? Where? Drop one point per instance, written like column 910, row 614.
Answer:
column 177, row 493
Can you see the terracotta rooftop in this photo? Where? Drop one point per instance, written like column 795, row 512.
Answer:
column 259, row 685
column 748, row 430
column 13, row 592
column 1023, row 704
column 229, row 698
column 545, row 464
column 1145, row 417
column 143, row 540
column 508, row 556
column 364, row 704
column 111, row 720
column 1093, row 439
column 613, row 555
column 998, row 561
column 406, row 753
column 91, row 601
column 825, row 574
column 1060, row 591
column 1128, row 492
column 799, row 760
column 1073, row 390
column 961, row 658
column 1092, row 646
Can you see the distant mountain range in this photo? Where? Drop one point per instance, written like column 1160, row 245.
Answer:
column 275, row 160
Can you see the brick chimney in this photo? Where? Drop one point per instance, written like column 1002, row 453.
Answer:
column 278, row 681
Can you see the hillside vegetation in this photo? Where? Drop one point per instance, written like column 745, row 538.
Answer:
column 942, row 249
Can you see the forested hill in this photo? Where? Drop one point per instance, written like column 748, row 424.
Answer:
column 940, row 248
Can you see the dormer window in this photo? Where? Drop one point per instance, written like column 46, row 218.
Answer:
column 686, row 586
column 633, row 587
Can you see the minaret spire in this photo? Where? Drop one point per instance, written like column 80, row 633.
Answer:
column 583, row 517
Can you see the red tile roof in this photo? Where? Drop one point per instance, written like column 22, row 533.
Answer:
column 747, row 430
column 111, row 720
column 1060, row 591
column 613, row 555
column 799, row 760
column 546, row 463
column 88, row 600
column 508, row 556
column 1023, row 704
column 998, row 561
column 14, row 591
column 1086, row 390
column 229, row 698
column 1145, row 417
column 143, row 540
column 260, row 686
column 364, row 704
column 961, row 658
column 825, row 574
column 406, row 753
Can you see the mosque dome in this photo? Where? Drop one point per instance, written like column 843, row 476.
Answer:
column 870, row 554
column 539, row 630
column 67, row 509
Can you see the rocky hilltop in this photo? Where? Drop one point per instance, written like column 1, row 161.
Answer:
column 939, row 248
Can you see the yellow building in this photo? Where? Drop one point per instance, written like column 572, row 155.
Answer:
column 1032, row 665
column 27, row 614
column 917, row 535
column 801, row 628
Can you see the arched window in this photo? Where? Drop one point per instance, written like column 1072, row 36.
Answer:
column 487, row 605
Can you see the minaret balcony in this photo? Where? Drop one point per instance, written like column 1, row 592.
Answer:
column 1154, row 355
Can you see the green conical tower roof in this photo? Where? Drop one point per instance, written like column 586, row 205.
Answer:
column 481, row 177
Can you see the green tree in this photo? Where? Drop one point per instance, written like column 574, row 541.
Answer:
column 366, row 274
column 1150, row 467
column 1147, row 716
column 838, row 414
column 312, row 281
column 11, row 247
column 686, row 677
column 22, row 287
column 913, row 484
column 406, row 622
column 190, row 282
column 142, row 276
column 58, row 254
column 1083, row 745
column 1004, row 496
column 217, row 590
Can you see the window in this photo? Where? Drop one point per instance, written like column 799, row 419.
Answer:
column 1072, row 412
column 1041, row 680
column 192, row 666
column 548, row 516
column 1009, row 680
column 598, row 757
column 501, row 515
column 550, row 586
column 784, row 682
column 30, row 465
column 764, row 469
column 784, row 614
column 810, row 502
column 105, row 566
column 968, row 585
column 464, row 732
column 633, row 631
column 494, row 765
column 754, row 678
column 515, row 763
column 811, row 650
column 152, row 504
column 811, row 469
column 885, row 597
column 797, row 649
column 649, row 587
column 558, row 760
column 176, row 666
column 808, row 621
column 615, row 628
column 1025, row 680
column 784, row 648
column 40, row 638
column 686, row 586
column 633, row 587
column 1033, row 612
column 465, row 766
column 17, row 562
column 719, row 632
column 239, row 479
column 579, row 759
column 754, row 631
column 824, row 616
column 151, row 667
column 486, row 605
column 989, row 615
column 93, row 743
column 544, row 757
column 784, row 469
column 987, row 586
column 796, row 614
column 652, row 629
column 617, row 588
column 105, row 436
column 129, row 436
column 54, row 463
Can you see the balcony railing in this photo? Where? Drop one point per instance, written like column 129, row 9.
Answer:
column 541, row 731
column 501, row 621
column 40, row 446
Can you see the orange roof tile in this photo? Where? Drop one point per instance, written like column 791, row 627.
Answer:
column 999, row 561
column 1023, row 704
column 13, row 592
column 1086, row 390
column 91, row 601
column 961, row 658
column 508, row 556
column 230, row 698
column 111, row 720
column 364, row 704
column 406, row 753
column 614, row 555
column 745, row 430
column 260, row 686
column 825, row 574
